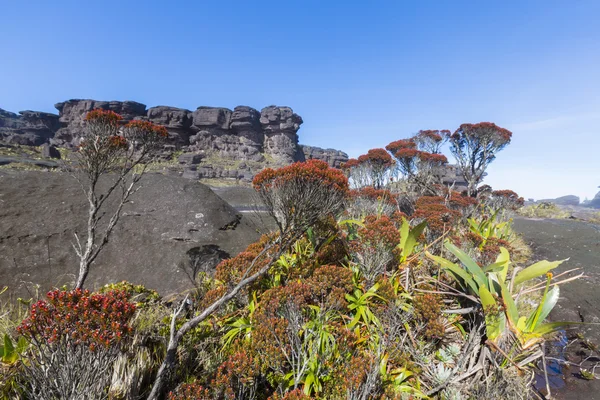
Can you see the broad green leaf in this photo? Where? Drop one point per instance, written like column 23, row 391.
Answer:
column 10, row 355
column 457, row 271
column 534, row 318
column 413, row 235
column 469, row 264
column 536, row 270
column 551, row 300
column 511, row 307
column 494, row 323
column 551, row 327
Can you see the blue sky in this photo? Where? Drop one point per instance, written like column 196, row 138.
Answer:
column 361, row 74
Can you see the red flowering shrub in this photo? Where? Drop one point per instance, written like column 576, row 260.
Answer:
column 100, row 116
column 76, row 337
column 79, row 317
column 475, row 146
column 299, row 195
column 428, row 308
column 431, row 141
column 231, row 271
column 371, row 169
column 419, row 161
column 505, row 200
column 236, row 377
column 439, row 217
column 296, row 394
column 106, row 147
column 374, row 248
column 329, row 285
column 370, row 201
column 145, row 135
column 189, row 391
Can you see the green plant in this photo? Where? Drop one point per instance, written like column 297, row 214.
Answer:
column 496, row 294
column 488, row 228
column 360, row 304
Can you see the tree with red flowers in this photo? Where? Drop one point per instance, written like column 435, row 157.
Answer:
column 475, row 147
column 419, row 159
column 109, row 164
column 371, row 169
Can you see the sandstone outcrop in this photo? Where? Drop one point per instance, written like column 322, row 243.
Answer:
column 210, row 142
column 32, row 128
column 168, row 218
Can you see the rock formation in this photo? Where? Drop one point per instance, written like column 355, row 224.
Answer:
column 167, row 218
column 210, row 142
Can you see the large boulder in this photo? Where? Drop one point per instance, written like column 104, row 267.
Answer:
column 167, row 218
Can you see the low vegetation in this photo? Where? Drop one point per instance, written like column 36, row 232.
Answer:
column 369, row 289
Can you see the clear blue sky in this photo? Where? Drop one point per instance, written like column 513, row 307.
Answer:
column 360, row 73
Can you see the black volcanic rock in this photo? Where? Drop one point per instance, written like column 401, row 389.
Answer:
column 167, row 218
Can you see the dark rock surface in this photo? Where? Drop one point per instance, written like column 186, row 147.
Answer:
column 228, row 144
column 31, row 128
column 169, row 216
column 580, row 243
column 595, row 202
column 335, row 158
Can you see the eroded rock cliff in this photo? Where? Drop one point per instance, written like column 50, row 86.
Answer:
column 210, row 142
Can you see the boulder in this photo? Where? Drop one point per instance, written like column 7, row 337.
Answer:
column 215, row 117
column 190, row 159
column 166, row 218
column 49, row 151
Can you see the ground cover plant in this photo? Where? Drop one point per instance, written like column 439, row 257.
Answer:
column 379, row 283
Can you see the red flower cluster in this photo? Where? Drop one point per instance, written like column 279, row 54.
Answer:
column 351, row 163
column 394, row 147
column 189, row 391
column 231, row 270
column 369, row 192
column 310, row 171
column 380, row 231
column 498, row 134
column 116, row 142
column 439, row 217
column 433, row 134
column 103, row 117
column 238, row 371
column 147, row 128
column 378, row 157
column 79, row 317
column 432, row 158
column 509, row 197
